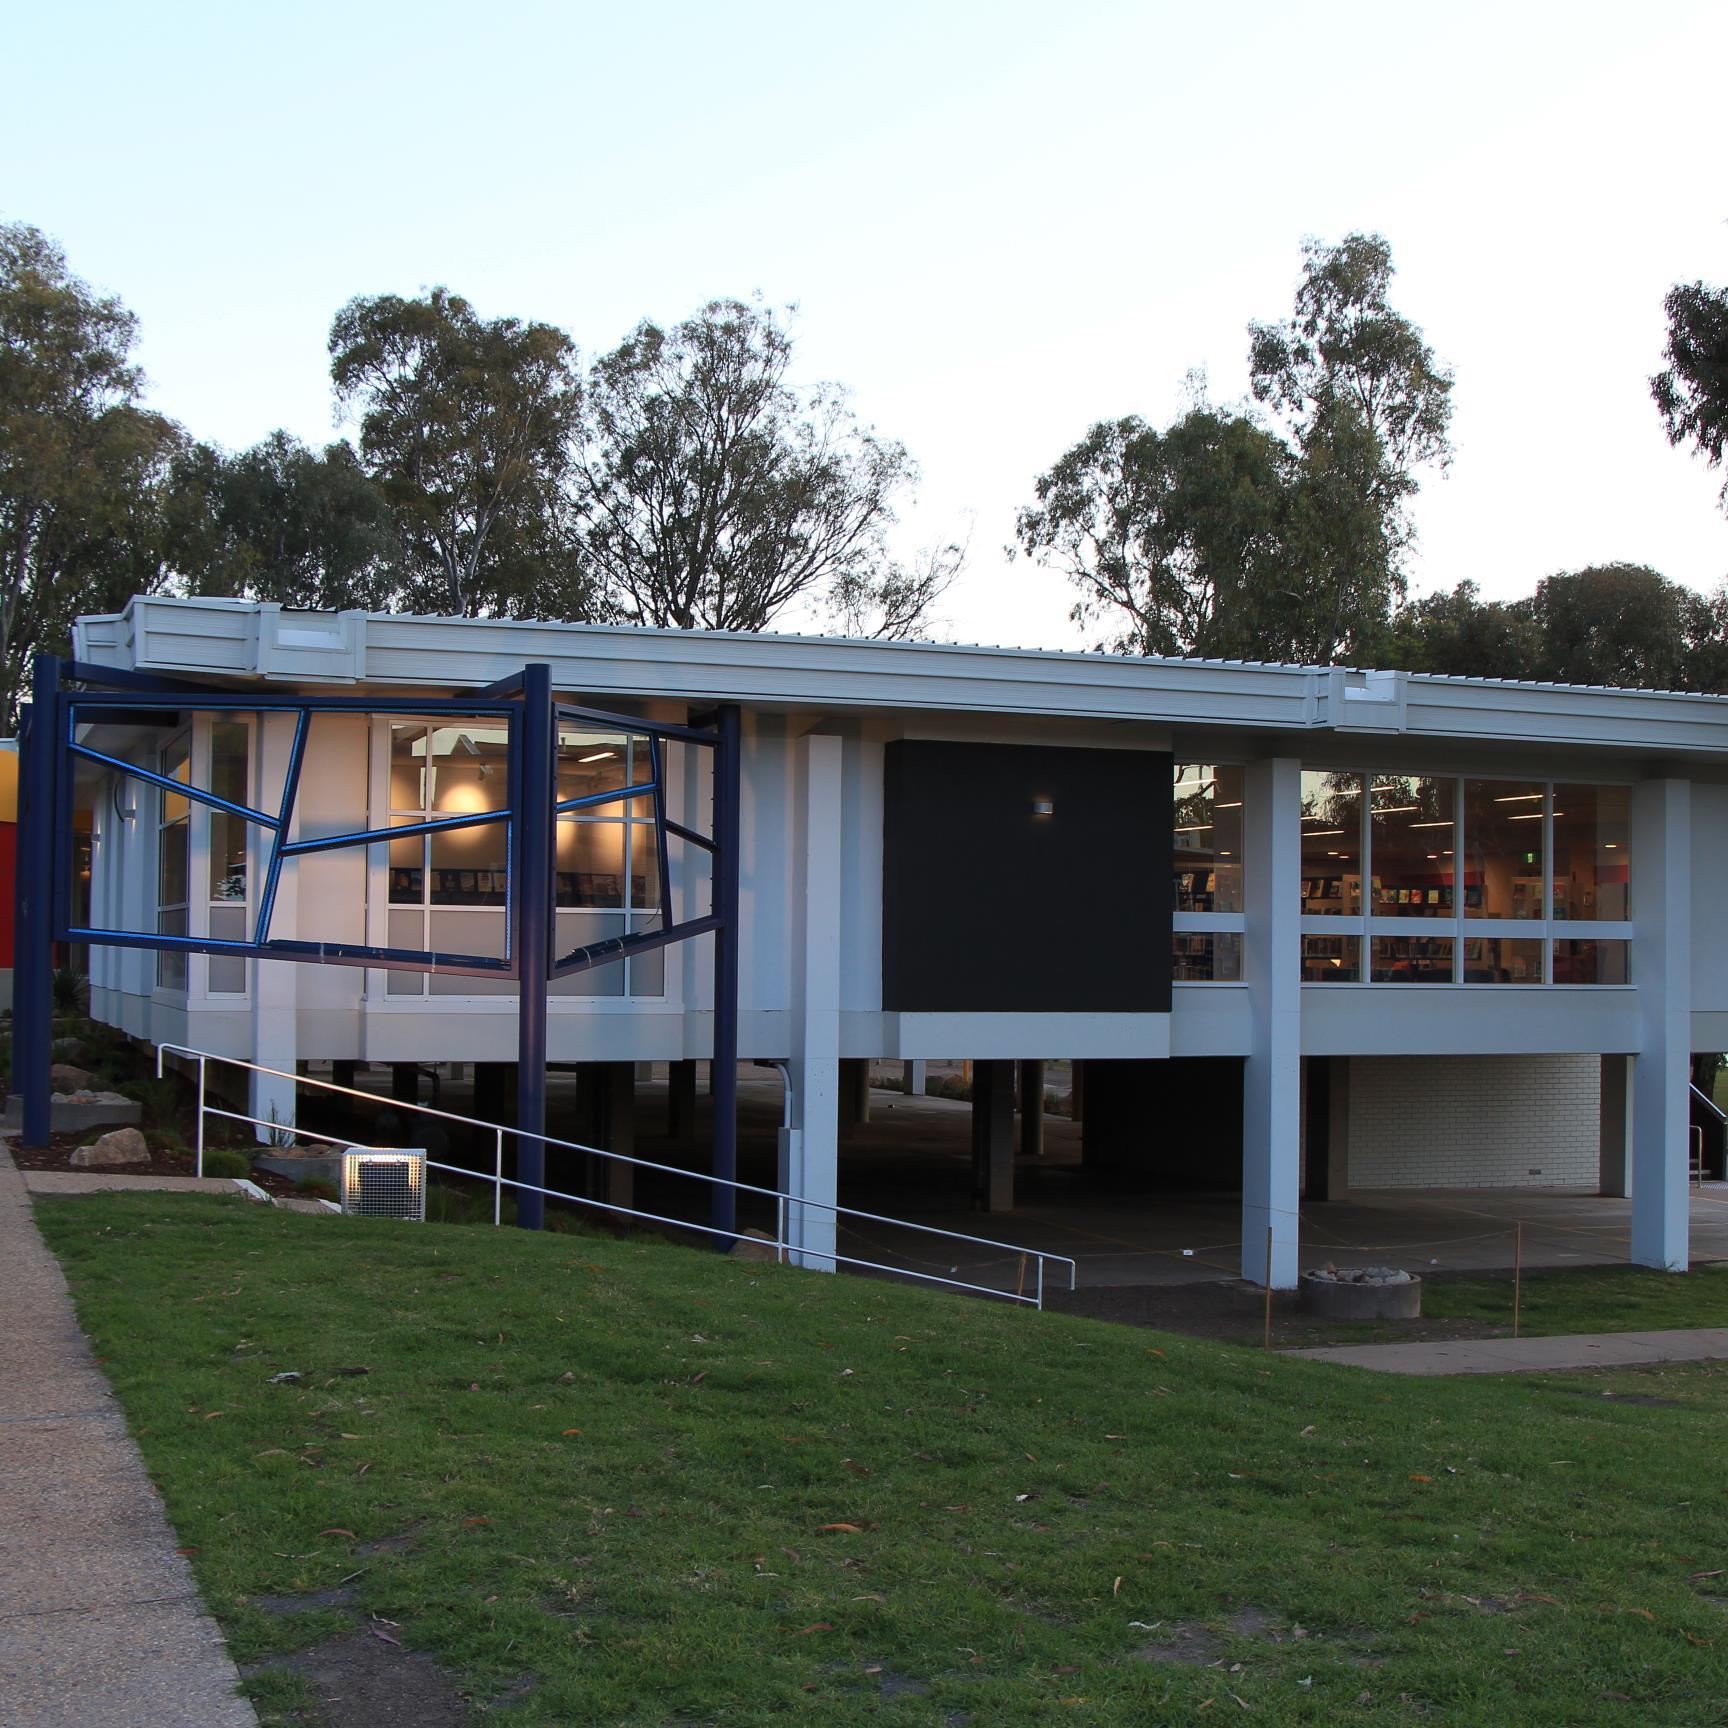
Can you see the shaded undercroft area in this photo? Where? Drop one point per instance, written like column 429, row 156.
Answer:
column 1139, row 1253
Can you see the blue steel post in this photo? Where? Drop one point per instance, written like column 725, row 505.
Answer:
column 531, row 888
column 33, row 960
column 723, row 1087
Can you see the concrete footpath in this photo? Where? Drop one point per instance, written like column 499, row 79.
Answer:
column 100, row 1624
column 1528, row 1355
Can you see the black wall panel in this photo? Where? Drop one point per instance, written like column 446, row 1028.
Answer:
column 988, row 905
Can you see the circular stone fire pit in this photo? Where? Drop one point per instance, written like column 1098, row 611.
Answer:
column 1362, row 1293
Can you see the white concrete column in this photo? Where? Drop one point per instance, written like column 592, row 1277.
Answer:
column 274, row 982
column 810, row 1146
column 1272, row 1083
column 1662, row 975
column 914, row 1076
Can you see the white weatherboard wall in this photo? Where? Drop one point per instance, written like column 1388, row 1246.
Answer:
column 1474, row 1121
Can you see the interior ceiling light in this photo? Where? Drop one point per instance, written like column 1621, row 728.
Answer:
column 598, row 756
column 1204, row 828
column 1323, row 833
column 1446, row 823
column 1519, row 798
column 1398, row 810
column 1236, row 806
column 1530, row 816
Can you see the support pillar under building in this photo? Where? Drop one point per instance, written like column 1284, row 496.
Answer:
column 1662, row 1069
column 1272, row 1075
column 993, row 1136
column 1032, row 1109
column 809, row 1141
column 854, row 1091
column 681, row 1100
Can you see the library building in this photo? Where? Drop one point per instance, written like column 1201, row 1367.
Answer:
column 1060, row 935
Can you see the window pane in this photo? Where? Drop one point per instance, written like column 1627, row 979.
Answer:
column 1205, row 958
column 228, row 777
column 1592, row 833
column 644, row 868
column 479, row 932
column 171, row 964
column 410, row 781
column 1331, row 959
column 1410, row 846
column 590, row 862
column 177, row 766
column 1502, row 960
column 591, row 762
column 1331, row 843
column 406, row 930
column 408, row 869
column 171, row 881
column 468, row 866
column 580, row 930
column 1590, row 962
column 469, row 769
column 647, row 974
column 1502, row 849
column 1208, row 826
column 1411, row 960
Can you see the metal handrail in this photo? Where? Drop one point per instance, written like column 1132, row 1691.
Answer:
column 783, row 1201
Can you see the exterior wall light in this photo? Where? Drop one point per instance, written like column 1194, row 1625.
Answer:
column 1043, row 806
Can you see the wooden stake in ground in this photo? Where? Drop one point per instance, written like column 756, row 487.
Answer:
column 1517, row 1274
column 1267, row 1345
column 1020, row 1288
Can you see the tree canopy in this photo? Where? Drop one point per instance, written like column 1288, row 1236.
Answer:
column 1222, row 535
column 1691, row 391
column 82, row 464
column 1175, row 539
column 713, row 493
column 465, row 426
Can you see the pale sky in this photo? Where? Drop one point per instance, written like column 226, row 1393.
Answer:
column 999, row 222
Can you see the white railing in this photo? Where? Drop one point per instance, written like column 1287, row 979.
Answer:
column 787, row 1207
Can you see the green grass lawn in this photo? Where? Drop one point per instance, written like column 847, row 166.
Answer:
column 1603, row 1299
column 673, row 1489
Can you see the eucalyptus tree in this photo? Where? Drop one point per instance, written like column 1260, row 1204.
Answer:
column 1691, row 391
column 465, row 425
column 714, row 492
column 82, row 462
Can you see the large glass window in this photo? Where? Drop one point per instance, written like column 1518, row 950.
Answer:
column 1503, row 847
column 1208, row 837
column 1548, row 864
column 230, row 749
column 1592, row 828
column 607, row 862
column 1331, row 844
column 1410, row 838
column 173, row 862
column 448, row 891
column 1411, row 960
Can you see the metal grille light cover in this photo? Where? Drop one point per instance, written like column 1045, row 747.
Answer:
column 384, row 1184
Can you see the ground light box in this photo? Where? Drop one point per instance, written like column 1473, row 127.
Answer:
column 1024, row 879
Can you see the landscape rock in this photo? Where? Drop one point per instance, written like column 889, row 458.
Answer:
column 63, row 1077
column 121, row 1146
column 69, row 1050
column 754, row 1245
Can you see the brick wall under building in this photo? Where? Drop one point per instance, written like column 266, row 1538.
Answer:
column 1474, row 1122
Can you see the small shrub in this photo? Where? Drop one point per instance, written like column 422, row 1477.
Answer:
column 226, row 1161
column 313, row 1188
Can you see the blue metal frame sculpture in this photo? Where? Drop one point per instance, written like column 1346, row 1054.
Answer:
column 49, row 746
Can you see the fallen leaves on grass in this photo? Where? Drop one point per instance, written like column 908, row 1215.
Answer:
column 844, row 1529
column 805, row 1631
